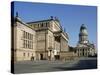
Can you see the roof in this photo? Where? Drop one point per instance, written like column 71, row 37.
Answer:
column 41, row 21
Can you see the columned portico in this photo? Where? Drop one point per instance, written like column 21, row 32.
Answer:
column 81, row 51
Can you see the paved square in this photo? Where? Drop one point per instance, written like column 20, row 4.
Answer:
column 49, row 66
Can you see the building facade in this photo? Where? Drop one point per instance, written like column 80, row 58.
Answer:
column 84, row 47
column 51, row 39
column 39, row 40
column 24, row 43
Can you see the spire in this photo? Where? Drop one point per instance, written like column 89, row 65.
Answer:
column 56, row 18
column 17, row 18
column 16, row 14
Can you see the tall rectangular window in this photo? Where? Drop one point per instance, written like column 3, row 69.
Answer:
column 24, row 54
column 27, row 40
column 23, row 34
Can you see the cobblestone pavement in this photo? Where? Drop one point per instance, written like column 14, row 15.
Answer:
column 49, row 66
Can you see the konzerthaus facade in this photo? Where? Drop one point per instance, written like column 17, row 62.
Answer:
column 39, row 40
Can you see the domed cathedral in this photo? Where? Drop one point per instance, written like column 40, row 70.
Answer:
column 84, row 47
column 83, row 35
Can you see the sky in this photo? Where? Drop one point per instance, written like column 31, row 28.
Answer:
column 71, row 17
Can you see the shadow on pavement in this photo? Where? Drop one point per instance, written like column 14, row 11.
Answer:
column 82, row 64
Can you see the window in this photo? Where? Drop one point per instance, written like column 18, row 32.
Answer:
column 42, row 25
column 28, row 54
column 31, row 37
column 23, row 43
column 24, row 54
column 27, row 40
column 32, row 54
column 50, row 40
column 46, row 24
column 31, row 45
column 38, row 25
column 26, row 35
column 26, row 44
column 23, row 34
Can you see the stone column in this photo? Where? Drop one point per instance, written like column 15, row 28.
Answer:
column 79, row 52
column 86, row 52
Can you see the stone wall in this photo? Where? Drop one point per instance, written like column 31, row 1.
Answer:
column 66, row 55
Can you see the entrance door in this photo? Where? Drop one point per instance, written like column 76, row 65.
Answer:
column 57, row 57
column 41, row 56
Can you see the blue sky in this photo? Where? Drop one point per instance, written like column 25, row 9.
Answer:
column 71, row 17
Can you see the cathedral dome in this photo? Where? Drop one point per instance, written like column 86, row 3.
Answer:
column 83, row 30
column 82, row 27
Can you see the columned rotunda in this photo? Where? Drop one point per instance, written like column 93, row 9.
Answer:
column 84, row 47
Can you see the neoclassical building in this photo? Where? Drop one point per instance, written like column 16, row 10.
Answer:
column 84, row 47
column 23, row 40
column 38, row 40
